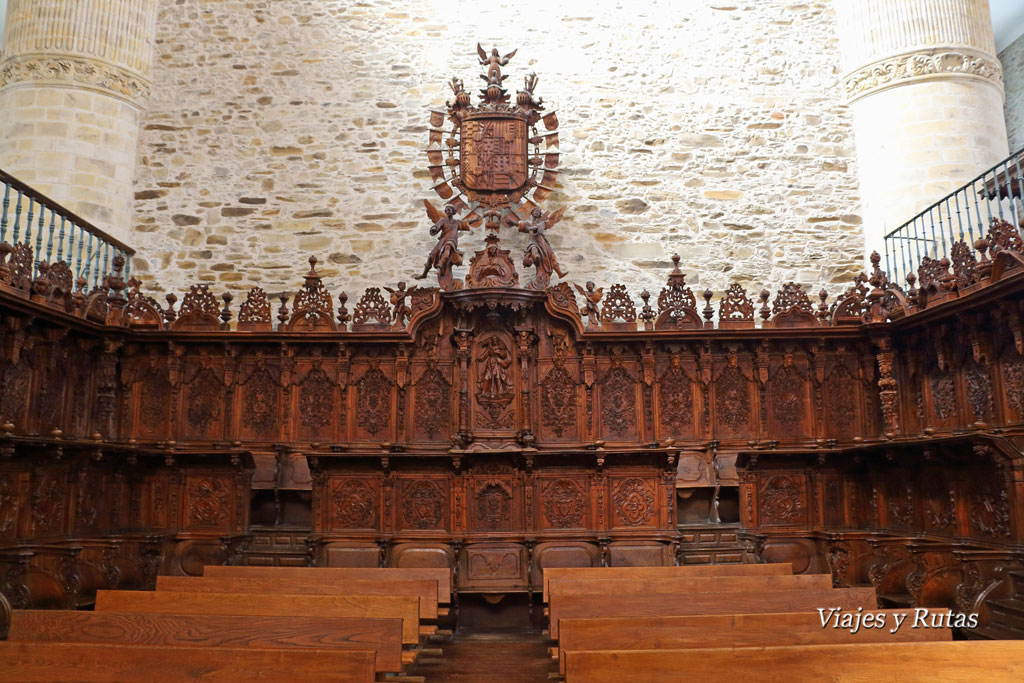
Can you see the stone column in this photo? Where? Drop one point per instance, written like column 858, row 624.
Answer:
column 73, row 79
column 926, row 92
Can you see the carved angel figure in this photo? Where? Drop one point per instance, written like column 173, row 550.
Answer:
column 494, row 62
column 445, row 253
column 402, row 311
column 539, row 252
column 591, row 296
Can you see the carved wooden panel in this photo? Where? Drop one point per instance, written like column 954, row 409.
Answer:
column 202, row 412
column 678, row 399
column 494, row 564
column 353, row 503
column 635, row 502
column 372, row 401
column 423, row 503
column 316, row 405
column 782, row 499
column 432, row 402
column 619, row 402
column 788, row 397
column 558, row 401
column 493, row 384
column 735, row 404
column 208, row 502
column 258, row 400
column 493, row 500
column 564, row 502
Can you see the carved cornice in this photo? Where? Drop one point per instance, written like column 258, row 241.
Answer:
column 69, row 71
column 921, row 65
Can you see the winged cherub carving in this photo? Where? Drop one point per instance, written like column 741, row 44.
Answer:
column 592, row 296
column 445, row 253
column 494, row 62
column 539, row 252
column 398, row 296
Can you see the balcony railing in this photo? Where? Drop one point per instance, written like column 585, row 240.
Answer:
column 965, row 214
column 54, row 233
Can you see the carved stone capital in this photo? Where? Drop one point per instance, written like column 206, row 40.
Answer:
column 79, row 72
column 921, row 65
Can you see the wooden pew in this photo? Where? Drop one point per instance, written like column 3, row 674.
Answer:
column 992, row 661
column 282, row 605
column 706, row 584
column 424, row 589
column 381, row 636
column 442, row 576
column 728, row 630
column 692, row 571
column 29, row 662
column 679, row 604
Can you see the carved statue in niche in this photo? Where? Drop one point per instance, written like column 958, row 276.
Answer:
column 495, row 390
column 209, row 500
column 493, row 506
column 423, row 506
column 402, row 311
column 781, row 500
column 634, row 502
column 564, row 504
column 355, row 505
column 445, row 253
column 539, row 252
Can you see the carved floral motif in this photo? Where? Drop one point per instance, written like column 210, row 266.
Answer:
column 493, row 505
column 732, row 398
column 204, row 399
column 558, row 400
column 634, row 502
column 372, row 309
column 423, row 505
column 943, row 395
column 260, row 402
column 255, row 310
column 316, row 400
column 788, row 399
column 8, row 504
column 923, row 63
column 373, row 400
column 564, row 504
column 355, row 505
column 48, row 503
column 432, row 409
column 781, row 500
column 209, row 501
column 979, row 390
column 675, row 398
column 736, row 305
column 618, row 400
column 989, row 510
column 618, row 306
column 1013, row 380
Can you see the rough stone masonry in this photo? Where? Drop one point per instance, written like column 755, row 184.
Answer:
column 283, row 128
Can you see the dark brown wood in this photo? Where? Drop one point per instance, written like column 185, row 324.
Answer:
column 679, row 604
column 695, row 571
column 381, row 636
column 340, row 575
column 729, row 630
column 960, row 662
column 425, row 590
column 242, row 604
column 49, row 662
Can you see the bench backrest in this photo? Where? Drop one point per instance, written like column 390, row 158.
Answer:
column 679, row 604
column 969, row 661
column 693, row 571
column 424, row 589
column 442, row 576
column 381, row 636
column 732, row 630
column 705, row 584
column 29, row 662
column 250, row 604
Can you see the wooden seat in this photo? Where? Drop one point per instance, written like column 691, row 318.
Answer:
column 381, row 636
column 442, row 576
column 690, row 571
column 728, row 630
column 29, row 662
column 283, row 605
column 705, row 584
column 424, row 589
column 993, row 661
column 678, row 604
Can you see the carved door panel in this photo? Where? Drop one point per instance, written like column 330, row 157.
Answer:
column 733, row 407
column 432, row 402
column 494, row 385
column 202, row 414
column 258, row 402
column 564, row 502
column 372, row 402
column 635, row 502
column 677, row 400
column 316, row 406
column 619, row 401
column 352, row 503
column 782, row 499
column 557, row 402
column 493, row 565
column 423, row 504
column 789, row 404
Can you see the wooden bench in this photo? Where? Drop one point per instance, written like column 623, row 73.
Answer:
column 442, row 576
column 705, row 584
column 424, row 589
column 679, row 604
column 691, row 571
column 381, row 636
column 282, row 605
column 728, row 630
column 992, row 661
column 30, row 662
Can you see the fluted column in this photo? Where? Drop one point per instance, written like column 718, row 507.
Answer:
column 74, row 76
column 926, row 91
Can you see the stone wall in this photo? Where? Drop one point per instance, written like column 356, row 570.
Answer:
column 282, row 128
column 1012, row 59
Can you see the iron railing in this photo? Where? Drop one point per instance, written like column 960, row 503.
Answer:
column 962, row 215
column 56, row 234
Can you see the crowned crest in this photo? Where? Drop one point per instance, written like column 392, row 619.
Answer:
column 493, row 157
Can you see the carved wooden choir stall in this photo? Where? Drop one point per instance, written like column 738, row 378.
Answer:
column 498, row 425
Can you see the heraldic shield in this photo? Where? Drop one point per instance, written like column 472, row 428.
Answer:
column 494, row 153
